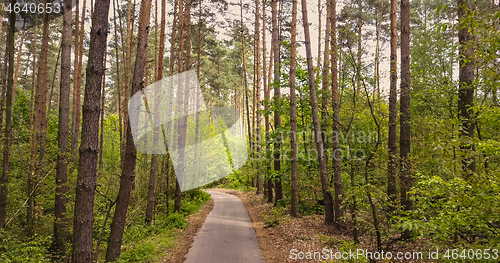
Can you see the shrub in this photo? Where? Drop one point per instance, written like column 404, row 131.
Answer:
column 176, row 220
column 275, row 218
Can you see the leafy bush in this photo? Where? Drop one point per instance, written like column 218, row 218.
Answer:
column 32, row 251
column 275, row 218
column 176, row 220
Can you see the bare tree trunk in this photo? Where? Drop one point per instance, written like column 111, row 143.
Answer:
column 18, row 62
column 87, row 167
column 320, row 13
column 277, row 96
column 77, row 87
column 101, row 119
column 293, row 114
column 130, row 155
column 31, row 203
column 392, row 163
column 118, row 79
column 128, row 70
column 466, row 89
column 154, row 160
column 52, row 86
column 4, row 180
column 40, row 124
column 180, row 101
column 5, row 69
column 360, row 48
column 404, row 140
column 324, row 77
column 376, row 92
column 316, row 123
column 266, row 95
column 337, row 177
column 245, row 80
column 60, row 231
column 257, row 96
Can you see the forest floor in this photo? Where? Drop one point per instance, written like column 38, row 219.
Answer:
column 306, row 234
column 184, row 237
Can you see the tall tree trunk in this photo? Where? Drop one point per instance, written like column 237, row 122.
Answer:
column 60, row 231
column 266, row 99
column 277, row 98
column 320, row 13
column 180, row 101
column 392, row 163
column 359, row 54
column 337, row 176
column 404, row 140
column 323, row 171
column 4, row 180
column 101, row 119
column 52, row 86
column 118, row 78
column 154, row 160
column 128, row 70
column 245, row 81
column 466, row 89
column 18, row 61
column 31, row 204
column 130, row 154
column 40, row 123
column 257, row 97
column 324, row 77
column 293, row 114
column 376, row 92
column 87, row 166
column 77, row 87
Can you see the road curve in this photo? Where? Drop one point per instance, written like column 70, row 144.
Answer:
column 227, row 236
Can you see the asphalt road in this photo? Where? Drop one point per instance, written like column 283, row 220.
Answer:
column 227, row 236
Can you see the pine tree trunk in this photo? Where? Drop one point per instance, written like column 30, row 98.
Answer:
column 31, row 204
column 337, row 176
column 87, row 167
column 60, row 231
column 130, row 154
column 316, row 123
column 53, row 85
column 293, row 114
column 324, row 77
column 40, row 124
column 404, row 140
column 277, row 97
column 245, row 80
column 180, row 103
column 77, row 87
column 320, row 13
column 154, row 160
column 18, row 62
column 466, row 89
column 128, row 70
column 4, row 180
column 392, row 163
column 376, row 92
column 266, row 95
column 257, row 96
column 359, row 54
column 118, row 79
column 101, row 119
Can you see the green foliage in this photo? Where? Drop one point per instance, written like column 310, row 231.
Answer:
column 36, row 250
column 277, row 215
column 176, row 220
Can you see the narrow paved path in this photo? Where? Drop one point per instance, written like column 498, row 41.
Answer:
column 227, row 236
